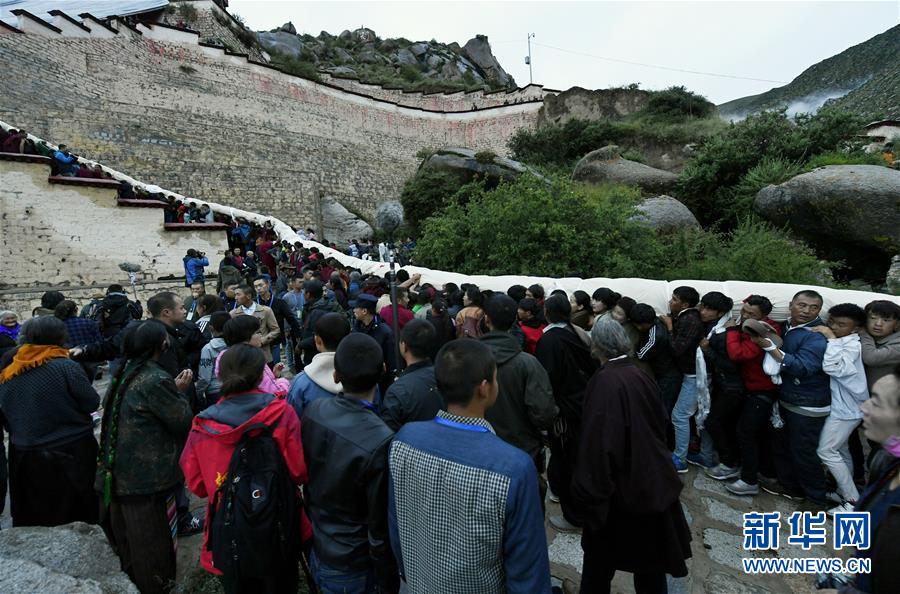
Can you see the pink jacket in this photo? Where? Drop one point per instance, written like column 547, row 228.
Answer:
column 269, row 384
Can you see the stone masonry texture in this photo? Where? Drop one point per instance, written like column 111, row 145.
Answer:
column 215, row 127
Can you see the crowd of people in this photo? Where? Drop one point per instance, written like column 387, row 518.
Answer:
column 412, row 451
column 382, row 445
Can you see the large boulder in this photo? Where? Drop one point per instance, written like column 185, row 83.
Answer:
column 419, row 49
column 839, row 204
column 340, row 224
column 75, row 558
column 607, row 165
column 479, row 51
column 288, row 27
column 282, row 42
column 665, row 213
column 581, row 104
column 462, row 163
column 406, row 57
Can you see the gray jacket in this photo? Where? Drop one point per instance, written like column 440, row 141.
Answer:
column 879, row 356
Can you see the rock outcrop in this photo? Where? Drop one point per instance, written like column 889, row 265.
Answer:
column 462, row 163
column 479, row 51
column 581, row 104
column 838, row 204
column 423, row 65
column 281, row 41
column 340, row 224
column 606, row 165
column 665, row 213
column 71, row 559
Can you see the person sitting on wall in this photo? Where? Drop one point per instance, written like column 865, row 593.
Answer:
column 14, row 142
column 66, row 161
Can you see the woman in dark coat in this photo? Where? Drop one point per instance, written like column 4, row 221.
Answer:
column 564, row 351
column 47, row 401
column 625, row 489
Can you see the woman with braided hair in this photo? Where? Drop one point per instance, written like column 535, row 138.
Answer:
column 146, row 419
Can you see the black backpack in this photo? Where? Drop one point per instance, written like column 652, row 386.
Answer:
column 255, row 527
column 112, row 320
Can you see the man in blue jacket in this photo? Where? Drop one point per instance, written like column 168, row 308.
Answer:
column 804, row 405
column 194, row 262
column 317, row 379
column 463, row 507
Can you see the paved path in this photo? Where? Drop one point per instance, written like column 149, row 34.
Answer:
column 715, row 518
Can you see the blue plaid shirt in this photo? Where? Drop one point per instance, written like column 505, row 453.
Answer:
column 82, row 331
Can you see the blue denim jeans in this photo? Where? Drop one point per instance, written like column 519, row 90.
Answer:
column 685, row 407
column 335, row 581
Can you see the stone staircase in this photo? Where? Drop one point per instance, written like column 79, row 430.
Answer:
column 66, row 229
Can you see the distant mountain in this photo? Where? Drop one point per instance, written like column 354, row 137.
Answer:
column 427, row 66
column 864, row 78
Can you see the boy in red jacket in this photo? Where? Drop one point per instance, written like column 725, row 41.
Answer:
column 216, row 432
column 756, row 454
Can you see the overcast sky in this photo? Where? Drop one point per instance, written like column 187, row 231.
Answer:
column 762, row 40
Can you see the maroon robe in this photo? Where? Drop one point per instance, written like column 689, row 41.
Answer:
column 625, row 489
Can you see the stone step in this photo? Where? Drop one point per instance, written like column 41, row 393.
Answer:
column 19, row 157
column 196, row 226
column 88, row 182
column 136, row 203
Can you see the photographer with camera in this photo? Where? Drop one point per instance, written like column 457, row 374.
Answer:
column 194, row 262
column 66, row 164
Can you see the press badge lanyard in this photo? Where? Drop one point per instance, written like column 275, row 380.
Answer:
column 463, row 426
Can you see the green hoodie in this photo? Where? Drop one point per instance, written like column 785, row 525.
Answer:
column 525, row 404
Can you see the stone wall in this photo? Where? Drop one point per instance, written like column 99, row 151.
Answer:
column 459, row 101
column 213, row 24
column 196, row 121
column 24, row 300
column 65, row 234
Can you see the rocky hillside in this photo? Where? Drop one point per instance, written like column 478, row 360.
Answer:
column 864, row 78
column 414, row 66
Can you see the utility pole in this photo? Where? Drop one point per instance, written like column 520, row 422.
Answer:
column 528, row 58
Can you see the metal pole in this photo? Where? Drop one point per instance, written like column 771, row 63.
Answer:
column 530, row 79
column 396, row 317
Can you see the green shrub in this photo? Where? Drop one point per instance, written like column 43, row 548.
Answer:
column 565, row 144
column 424, row 152
column 531, row 227
column 589, row 231
column 634, row 155
column 844, row 158
column 707, row 184
column 188, row 12
column 410, row 73
column 678, row 101
column 485, row 157
column 427, row 192
column 739, row 201
column 754, row 251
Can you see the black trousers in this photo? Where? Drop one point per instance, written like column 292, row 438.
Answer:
column 755, row 434
column 597, row 577
column 54, row 486
column 721, row 424
column 139, row 531
column 284, row 581
column 796, row 461
column 563, row 453
column 669, row 387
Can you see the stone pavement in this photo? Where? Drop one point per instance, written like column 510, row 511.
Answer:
column 715, row 518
